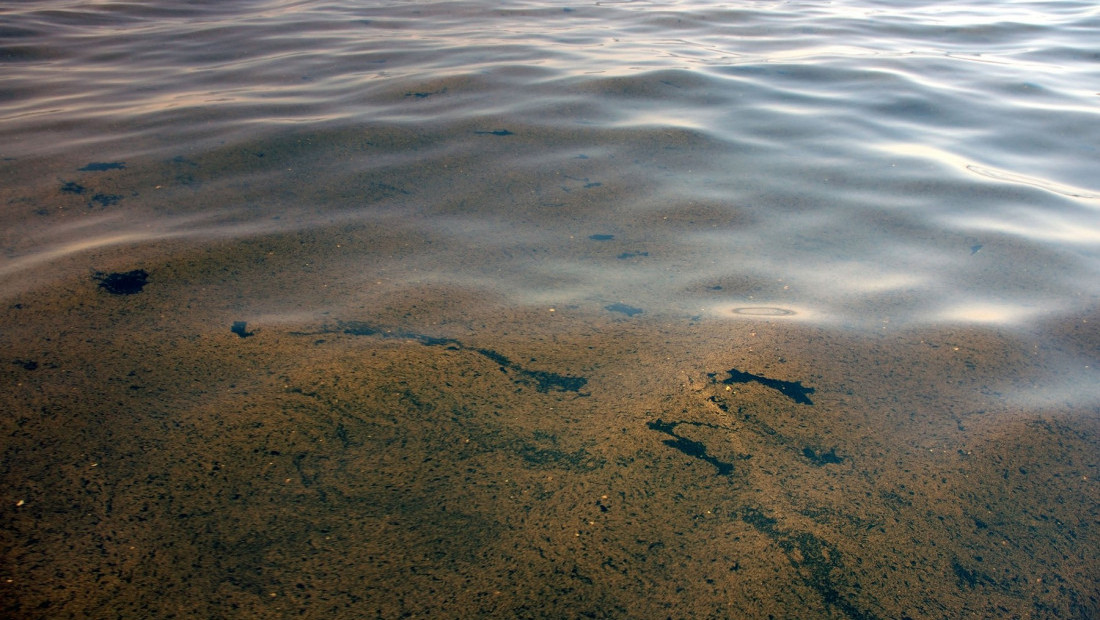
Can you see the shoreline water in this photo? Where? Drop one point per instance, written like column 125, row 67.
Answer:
column 625, row 310
column 412, row 457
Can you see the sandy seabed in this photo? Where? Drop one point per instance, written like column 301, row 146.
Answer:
column 432, row 452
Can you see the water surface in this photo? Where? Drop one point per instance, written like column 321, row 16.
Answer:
column 618, row 309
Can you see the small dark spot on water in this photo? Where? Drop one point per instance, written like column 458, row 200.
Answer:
column 601, row 237
column 100, row 166
column 122, row 283
column 495, row 132
column 714, row 288
column 180, row 159
column 27, row 364
column 627, row 255
column 426, row 94
column 71, row 187
column 974, row 248
column 241, row 329
column 104, row 200
column 624, row 309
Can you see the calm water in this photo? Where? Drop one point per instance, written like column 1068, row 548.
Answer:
column 526, row 242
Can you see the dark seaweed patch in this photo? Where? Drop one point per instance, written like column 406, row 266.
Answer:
column 585, row 181
column 105, row 200
column 624, row 309
column 690, row 447
column 544, row 381
column 122, row 283
column 495, row 132
column 601, row 237
column 426, row 94
column 793, row 390
column 626, row 255
column 963, row 576
column 356, row 328
column 100, row 166
column 822, row 458
column 241, row 329
column 72, row 187
column 580, row 460
column 818, row 562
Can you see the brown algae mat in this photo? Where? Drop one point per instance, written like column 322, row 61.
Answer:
column 171, row 451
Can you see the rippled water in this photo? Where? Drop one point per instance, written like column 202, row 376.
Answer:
column 846, row 194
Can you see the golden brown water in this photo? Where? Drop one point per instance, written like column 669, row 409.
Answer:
column 437, row 454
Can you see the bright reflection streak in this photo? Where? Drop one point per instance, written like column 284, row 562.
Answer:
column 923, row 151
column 1046, row 226
column 986, row 313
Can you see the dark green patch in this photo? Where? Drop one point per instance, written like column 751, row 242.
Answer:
column 623, row 309
column 425, row 94
column 544, row 381
column 690, row 447
column 818, row 563
column 601, row 237
column 967, row 578
column 793, row 390
column 495, row 132
column 100, row 166
column 72, row 187
column 241, row 329
column 822, row 458
column 104, row 200
column 122, row 283
column 356, row 328
column 579, row 460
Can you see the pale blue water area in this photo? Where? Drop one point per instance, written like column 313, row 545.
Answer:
column 851, row 191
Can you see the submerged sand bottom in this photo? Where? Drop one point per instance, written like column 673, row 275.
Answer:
column 434, row 457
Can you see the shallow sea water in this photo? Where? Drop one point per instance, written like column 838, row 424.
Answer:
column 616, row 309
